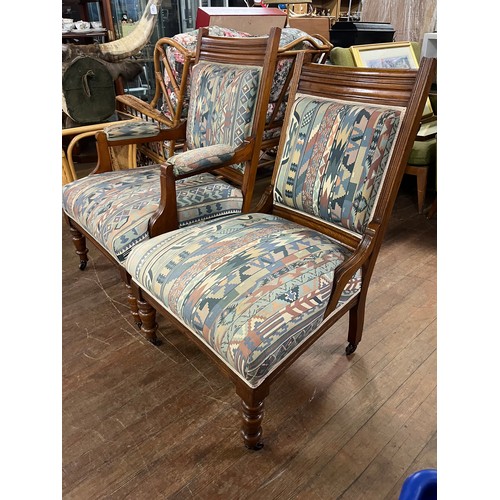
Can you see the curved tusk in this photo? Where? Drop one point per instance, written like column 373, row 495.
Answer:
column 131, row 44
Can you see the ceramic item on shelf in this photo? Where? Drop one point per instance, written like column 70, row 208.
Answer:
column 82, row 25
column 96, row 24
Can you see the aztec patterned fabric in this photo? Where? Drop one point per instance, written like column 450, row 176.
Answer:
column 175, row 60
column 188, row 40
column 115, row 207
column 187, row 161
column 222, row 106
column 131, row 129
column 252, row 287
column 335, row 158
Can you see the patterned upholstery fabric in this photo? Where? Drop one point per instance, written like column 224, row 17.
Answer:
column 334, row 159
column 252, row 286
column 188, row 161
column 131, row 129
column 176, row 62
column 188, row 41
column 115, row 207
column 222, row 105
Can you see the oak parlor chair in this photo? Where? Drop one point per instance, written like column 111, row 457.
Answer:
column 423, row 153
column 173, row 60
column 118, row 209
column 255, row 290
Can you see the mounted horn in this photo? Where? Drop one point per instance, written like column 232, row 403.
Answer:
column 118, row 50
column 131, row 44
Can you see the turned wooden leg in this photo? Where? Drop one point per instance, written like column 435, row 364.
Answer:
column 251, row 429
column 147, row 317
column 134, row 308
column 80, row 246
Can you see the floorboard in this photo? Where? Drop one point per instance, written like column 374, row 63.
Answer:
column 146, row 422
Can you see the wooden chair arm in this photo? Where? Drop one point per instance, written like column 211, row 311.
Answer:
column 165, row 218
column 240, row 154
column 346, row 271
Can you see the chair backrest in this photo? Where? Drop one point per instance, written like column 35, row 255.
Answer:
column 173, row 61
column 176, row 56
column 231, row 82
column 343, row 56
column 347, row 137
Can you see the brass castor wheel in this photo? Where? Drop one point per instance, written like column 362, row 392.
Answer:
column 83, row 265
column 350, row 348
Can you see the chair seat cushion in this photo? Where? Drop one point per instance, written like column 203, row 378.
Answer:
column 253, row 287
column 115, row 207
column 423, row 152
column 131, row 129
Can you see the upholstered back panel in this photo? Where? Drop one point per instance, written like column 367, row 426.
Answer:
column 222, row 106
column 334, row 159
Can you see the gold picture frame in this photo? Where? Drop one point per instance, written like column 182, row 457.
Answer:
column 395, row 55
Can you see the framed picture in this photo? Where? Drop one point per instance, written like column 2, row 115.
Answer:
column 395, row 55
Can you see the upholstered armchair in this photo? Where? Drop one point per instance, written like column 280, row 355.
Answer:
column 118, row 209
column 173, row 60
column 423, row 152
column 255, row 290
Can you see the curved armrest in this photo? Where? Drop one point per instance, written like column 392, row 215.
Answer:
column 125, row 135
column 209, row 158
column 195, row 161
column 350, row 266
column 165, row 218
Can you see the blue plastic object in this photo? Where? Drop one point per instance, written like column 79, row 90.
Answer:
column 421, row 485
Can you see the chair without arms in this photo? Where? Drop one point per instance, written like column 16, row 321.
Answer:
column 118, row 209
column 254, row 291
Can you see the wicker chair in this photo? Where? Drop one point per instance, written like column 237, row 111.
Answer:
column 254, row 291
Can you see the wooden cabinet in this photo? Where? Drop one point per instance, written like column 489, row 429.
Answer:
column 328, row 12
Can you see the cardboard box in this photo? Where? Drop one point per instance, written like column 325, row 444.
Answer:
column 318, row 25
column 256, row 21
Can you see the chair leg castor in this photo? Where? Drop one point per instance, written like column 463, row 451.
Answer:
column 83, row 265
column 155, row 342
column 255, row 447
column 350, row 348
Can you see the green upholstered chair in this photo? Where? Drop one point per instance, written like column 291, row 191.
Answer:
column 423, row 153
column 255, row 290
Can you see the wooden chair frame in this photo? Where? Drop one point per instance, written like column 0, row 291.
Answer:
column 404, row 88
column 258, row 51
column 129, row 106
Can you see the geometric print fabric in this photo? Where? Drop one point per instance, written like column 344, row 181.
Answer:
column 115, row 207
column 252, row 287
column 222, row 105
column 334, row 159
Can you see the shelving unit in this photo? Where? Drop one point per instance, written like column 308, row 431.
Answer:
column 89, row 10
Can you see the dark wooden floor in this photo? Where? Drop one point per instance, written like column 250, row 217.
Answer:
column 146, row 422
